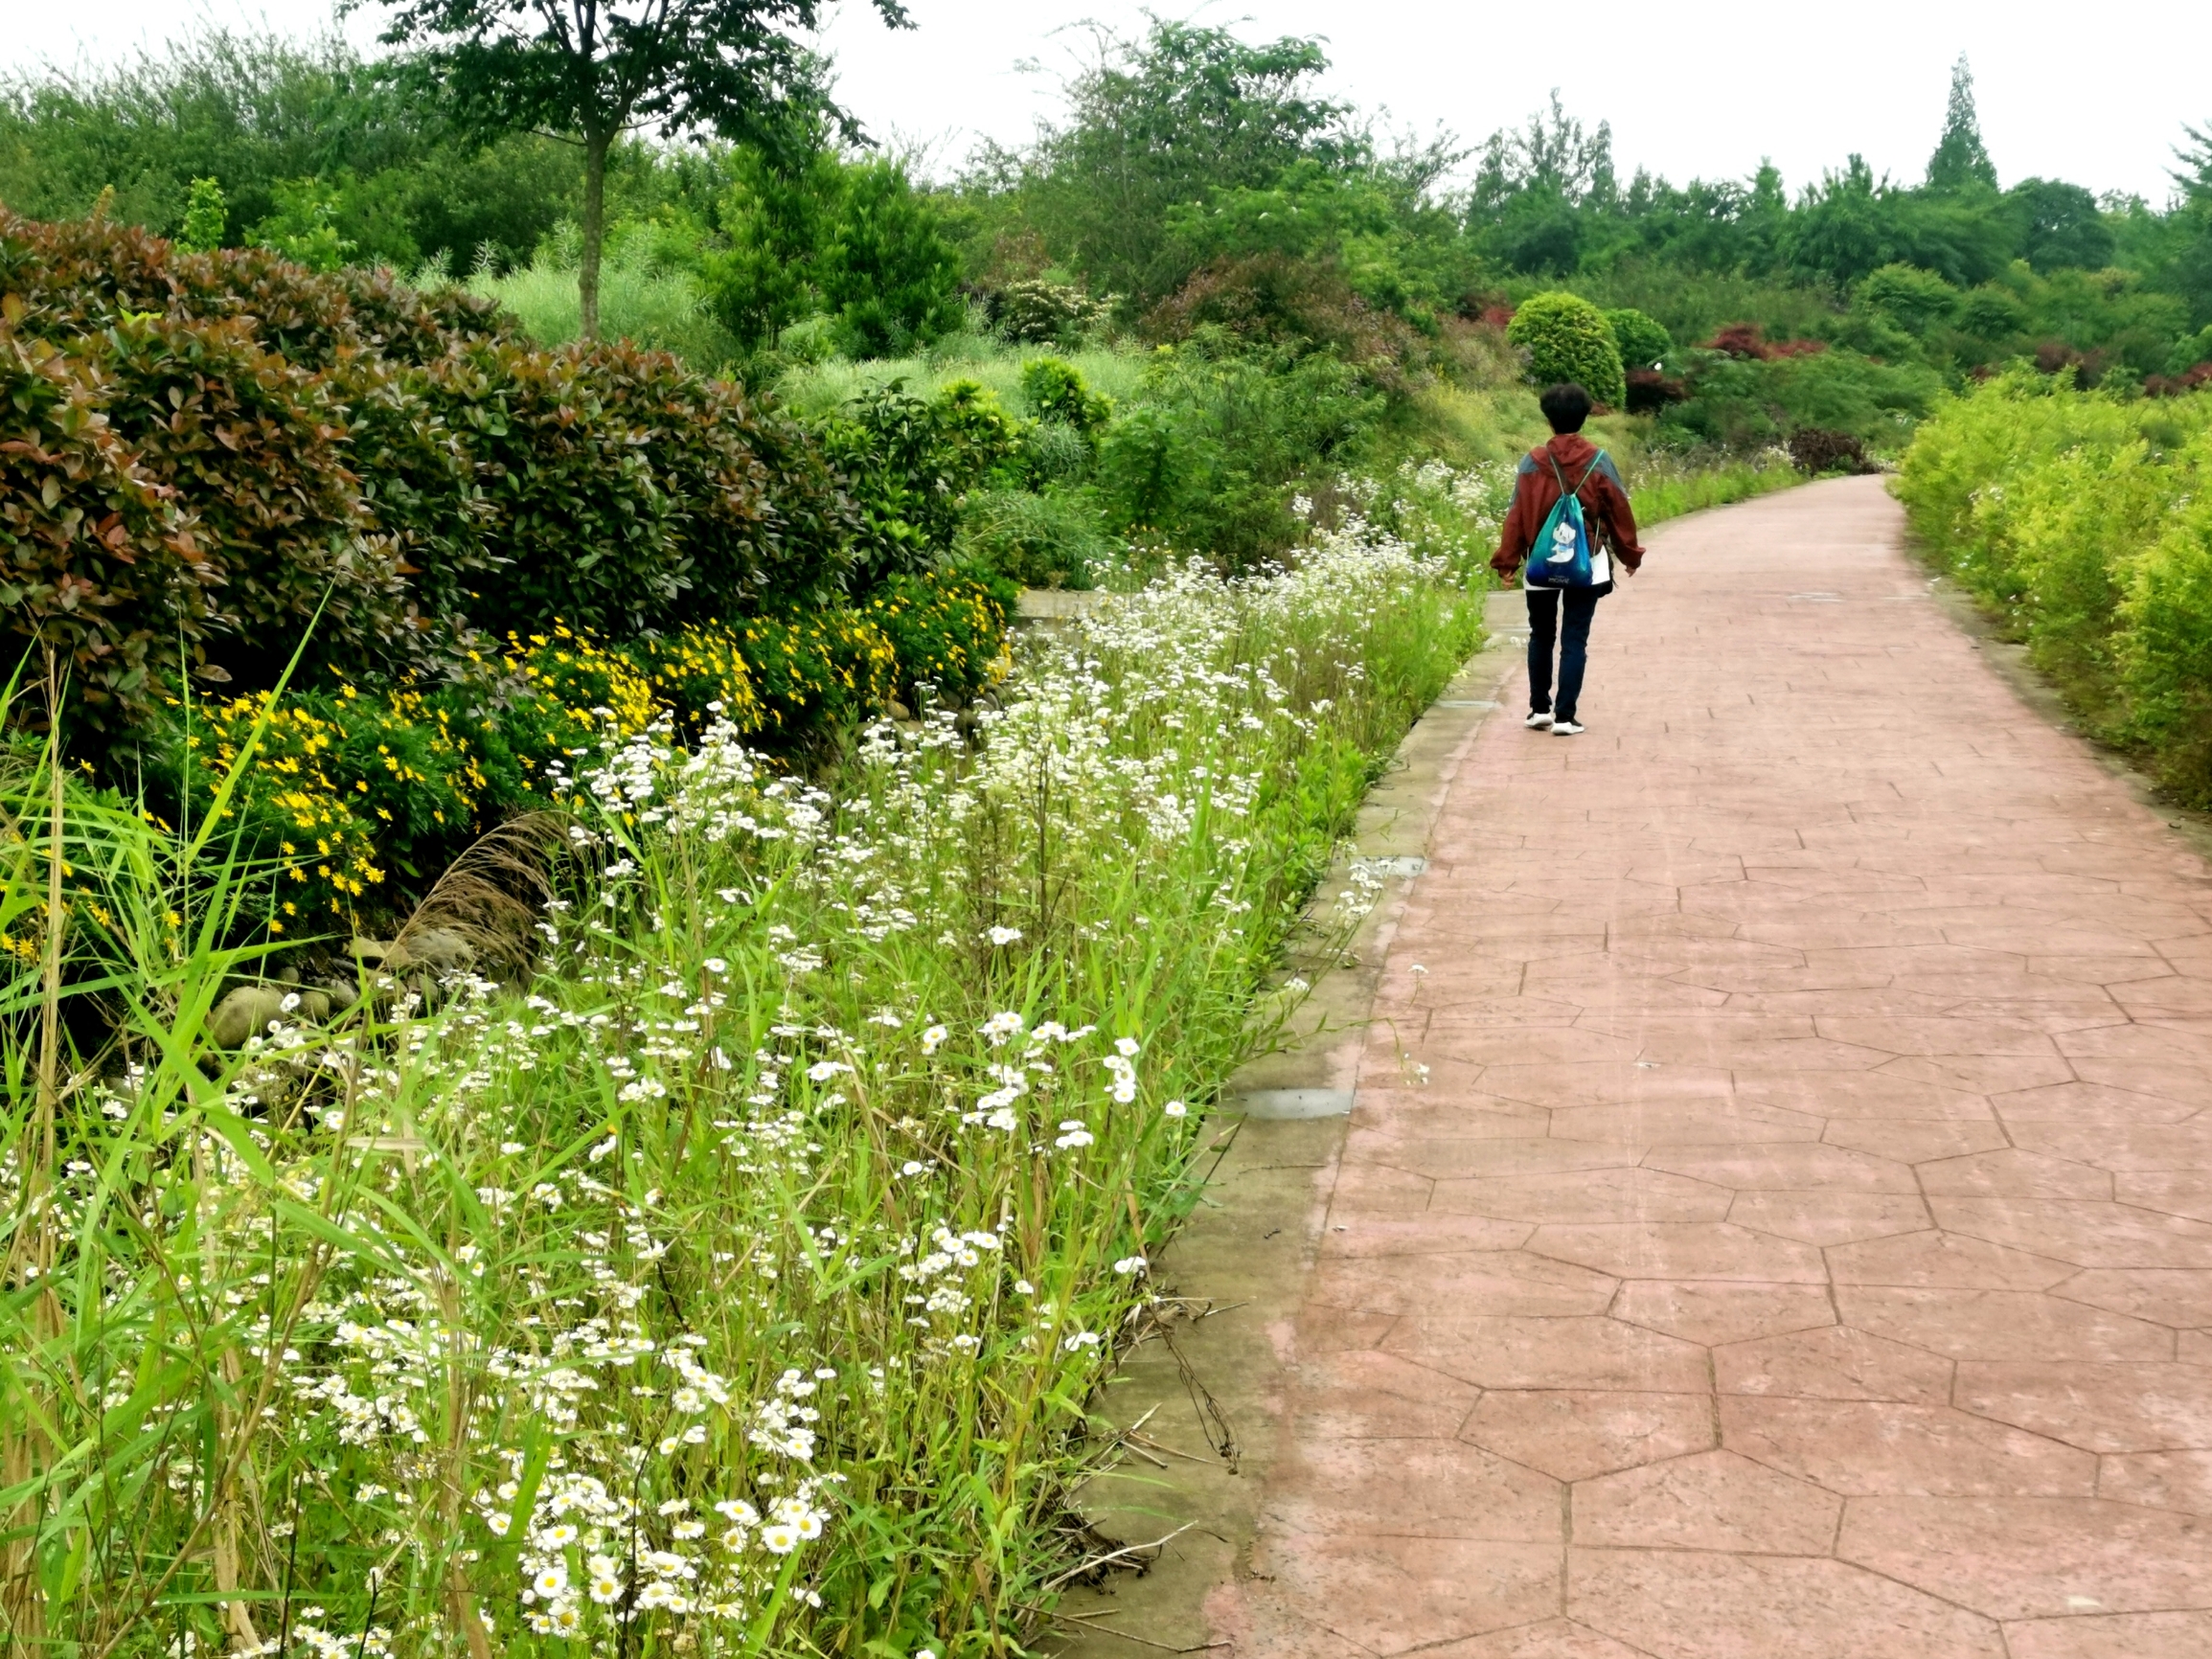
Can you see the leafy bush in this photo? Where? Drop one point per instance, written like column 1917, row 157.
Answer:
column 815, row 671
column 1915, row 300
column 1049, row 538
column 945, row 632
column 99, row 562
column 1272, row 300
column 1054, row 390
column 1567, row 340
column 251, row 447
column 909, row 465
column 1206, row 460
column 1032, row 310
column 1816, row 449
column 818, row 235
column 1642, row 340
column 2081, row 518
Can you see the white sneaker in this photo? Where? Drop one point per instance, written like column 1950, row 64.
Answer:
column 1537, row 722
column 1566, row 728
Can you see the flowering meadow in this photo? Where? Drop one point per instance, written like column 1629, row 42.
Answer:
column 733, row 1276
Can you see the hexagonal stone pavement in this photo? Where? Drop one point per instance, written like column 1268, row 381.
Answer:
column 1802, row 1246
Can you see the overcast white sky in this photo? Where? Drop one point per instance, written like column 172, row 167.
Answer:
column 2097, row 94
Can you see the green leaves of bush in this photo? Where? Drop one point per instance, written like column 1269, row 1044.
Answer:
column 1567, row 340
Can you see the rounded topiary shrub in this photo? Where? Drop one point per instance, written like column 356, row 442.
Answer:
column 1642, row 340
column 1568, row 339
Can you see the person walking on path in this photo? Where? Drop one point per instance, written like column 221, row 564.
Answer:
column 1569, row 461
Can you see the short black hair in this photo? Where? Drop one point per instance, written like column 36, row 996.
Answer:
column 1566, row 406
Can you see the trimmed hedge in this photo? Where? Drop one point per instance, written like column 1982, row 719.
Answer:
column 1567, row 339
column 203, row 451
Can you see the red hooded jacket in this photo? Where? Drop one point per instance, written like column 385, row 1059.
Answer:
column 1536, row 490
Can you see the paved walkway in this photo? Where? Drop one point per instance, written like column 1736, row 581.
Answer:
column 1799, row 1245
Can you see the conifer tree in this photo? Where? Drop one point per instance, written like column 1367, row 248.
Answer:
column 1960, row 158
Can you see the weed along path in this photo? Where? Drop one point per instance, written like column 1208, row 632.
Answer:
column 1775, row 1219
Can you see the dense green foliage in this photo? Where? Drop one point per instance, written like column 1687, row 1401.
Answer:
column 1569, row 339
column 2086, row 522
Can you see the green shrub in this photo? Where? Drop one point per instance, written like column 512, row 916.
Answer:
column 1914, row 299
column 815, row 671
column 909, row 465
column 399, row 466
column 1567, row 340
column 99, row 562
column 1208, row 459
column 1642, row 340
column 946, row 631
column 1054, row 390
column 1049, row 538
column 2080, row 517
column 254, row 449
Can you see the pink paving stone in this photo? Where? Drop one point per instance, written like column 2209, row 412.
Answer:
column 1683, row 1250
column 1553, row 1354
column 2129, row 1148
column 2077, row 1107
column 2013, row 1173
column 1787, row 1167
column 1943, row 1258
column 1829, row 1017
column 1573, row 1433
column 1865, row 1448
column 1719, row 1310
column 2102, row 1408
column 1832, row 1363
column 2168, row 1296
column 2159, row 1480
column 2125, row 1636
column 1915, row 1142
column 1537, row 1155
column 1822, row 1217
column 2035, row 1557
column 1392, row 1594
column 1362, row 1395
column 1424, row 1487
column 2017, row 1324
column 1684, row 1604
column 2089, row 1235
column 1874, row 1093
column 1420, row 1236
column 1717, row 1500
column 1586, row 1195
column 1547, row 1639
column 1483, row 1281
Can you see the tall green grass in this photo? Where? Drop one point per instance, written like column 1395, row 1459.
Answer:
column 735, row 1281
column 995, row 364
column 642, row 298
column 1663, row 486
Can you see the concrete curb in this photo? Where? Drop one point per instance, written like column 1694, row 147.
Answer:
column 1199, row 1399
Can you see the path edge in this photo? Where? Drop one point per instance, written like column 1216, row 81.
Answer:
column 1202, row 1386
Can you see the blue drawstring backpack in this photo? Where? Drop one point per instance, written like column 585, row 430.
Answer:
column 1561, row 554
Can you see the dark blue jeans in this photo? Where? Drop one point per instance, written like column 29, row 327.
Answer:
column 1543, row 631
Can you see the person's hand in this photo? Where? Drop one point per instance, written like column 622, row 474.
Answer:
column 1504, row 566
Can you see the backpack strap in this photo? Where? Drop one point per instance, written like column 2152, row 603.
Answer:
column 1577, row 490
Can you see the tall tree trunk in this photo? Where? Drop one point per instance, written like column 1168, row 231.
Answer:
column 595, row 148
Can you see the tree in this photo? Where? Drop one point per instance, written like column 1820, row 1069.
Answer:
column 1960, row 159
column 2059, row 226
column 1164, row 123
column 592, row 69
